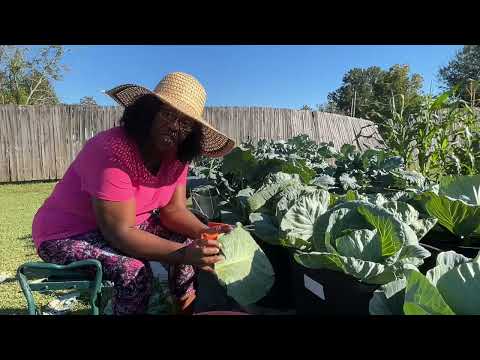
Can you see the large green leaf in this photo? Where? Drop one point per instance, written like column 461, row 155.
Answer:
column 335, row 222
column 298, row 167
column 286, row 200
column 265, row 228
column 441, row 100
column 370, row 243
column 274, row 184
column 462, row 188
column 239, row 162
column 451, row 259
column 261, row 197
column 245, row 271
column 365, row 271
column 319, row 260
column 360, row 244
column 388, row 228
column 299, row 220
column 404, row 179
column 324, row 181
column 295, row 242
column 422, row 297
column 410, row 216
column 434, row 274
column 348, row 150
column 413, row 254
column 389, row 299
column 242, row 198
column 460, row 287
column 244, row 194
column 238, row 207
column 457, row 216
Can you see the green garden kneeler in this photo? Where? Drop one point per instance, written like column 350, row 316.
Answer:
column 61, row 277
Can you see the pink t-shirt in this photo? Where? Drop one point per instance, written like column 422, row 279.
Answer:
column 109, row 167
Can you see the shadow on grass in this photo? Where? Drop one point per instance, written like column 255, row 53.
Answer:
column 28, row 182
column 14, row 311
column 8, row 281
column 24, row 311
column 25, row 237
column 28, row 243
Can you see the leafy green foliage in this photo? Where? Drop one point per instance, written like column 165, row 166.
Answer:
column 451, row 287
column 464, row 69
column 456, row 205
column 245, row 270
column 371, row 89
column 442, row 138
column 27, row 75
column 363, row 240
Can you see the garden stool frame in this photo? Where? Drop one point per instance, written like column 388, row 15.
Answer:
column 61, row 277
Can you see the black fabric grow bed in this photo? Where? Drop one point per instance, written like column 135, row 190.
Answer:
column 281, row 294
column 327, row 292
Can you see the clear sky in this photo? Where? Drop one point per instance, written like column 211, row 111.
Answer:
column 274, row 76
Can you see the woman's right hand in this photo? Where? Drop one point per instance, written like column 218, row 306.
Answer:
column 202, row 253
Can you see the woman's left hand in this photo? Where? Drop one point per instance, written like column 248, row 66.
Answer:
column 205, row 242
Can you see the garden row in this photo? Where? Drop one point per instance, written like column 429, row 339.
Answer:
column 341, row 232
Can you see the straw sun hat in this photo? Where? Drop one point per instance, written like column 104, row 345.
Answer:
column 184, row 93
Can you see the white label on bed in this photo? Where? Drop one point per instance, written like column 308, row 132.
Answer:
column 314, row 287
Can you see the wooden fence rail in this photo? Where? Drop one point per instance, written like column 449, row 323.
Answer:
column 40, row 142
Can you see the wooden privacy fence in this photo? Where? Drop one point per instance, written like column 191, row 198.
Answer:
column 40, row 142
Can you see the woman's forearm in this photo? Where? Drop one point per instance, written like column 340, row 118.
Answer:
column 182, row 221
column 144, row 245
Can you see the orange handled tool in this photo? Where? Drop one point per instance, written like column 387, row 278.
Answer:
column 212, row 236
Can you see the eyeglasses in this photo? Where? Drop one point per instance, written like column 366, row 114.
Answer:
column 182, row 125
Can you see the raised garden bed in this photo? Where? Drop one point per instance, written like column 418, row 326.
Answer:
column 327, row 292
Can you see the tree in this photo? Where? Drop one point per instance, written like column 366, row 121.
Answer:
column 367, row 93
column 306, row 107
column 464, row 70
column 27, row 75
column 88, row 101
column 329, row 108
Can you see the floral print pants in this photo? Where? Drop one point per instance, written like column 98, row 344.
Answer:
column 132, row 278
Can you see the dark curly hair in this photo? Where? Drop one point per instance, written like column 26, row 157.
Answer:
column 137, row 121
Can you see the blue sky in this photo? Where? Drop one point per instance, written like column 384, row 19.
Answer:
column 275, row 76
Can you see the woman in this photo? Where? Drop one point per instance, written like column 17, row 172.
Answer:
column 123, row 199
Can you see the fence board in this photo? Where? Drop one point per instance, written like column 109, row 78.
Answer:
column 40, row 142
column 4, row 148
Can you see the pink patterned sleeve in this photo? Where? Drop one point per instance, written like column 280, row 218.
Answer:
column 101, row 177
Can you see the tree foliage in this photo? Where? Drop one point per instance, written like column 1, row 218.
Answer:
column 464, row 70
column 88, row 101
column 367, row 93
column 27, row 74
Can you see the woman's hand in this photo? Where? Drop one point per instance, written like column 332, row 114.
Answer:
column 217, row 229
column 203, row 252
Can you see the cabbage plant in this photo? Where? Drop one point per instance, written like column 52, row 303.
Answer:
column 452, row 287
column 363, row 240
column 457, row 205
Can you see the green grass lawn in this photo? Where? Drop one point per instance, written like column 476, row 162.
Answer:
column 19, row 203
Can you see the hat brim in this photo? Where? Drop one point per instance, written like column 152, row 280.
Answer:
column 214, row 143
